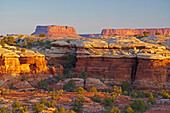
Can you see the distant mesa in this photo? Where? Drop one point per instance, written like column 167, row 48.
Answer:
column 56, row 31
column 132, row 32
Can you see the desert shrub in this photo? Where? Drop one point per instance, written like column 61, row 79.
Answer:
column 23, row 50
column 23, row 110
column 114, row 109
column 83, row 74
column 140, row 94
column 165, row 94
column 70, row 86
column 139, row 36
column 2, row 43
column 126, row 86
column 138, row 105
column 50, row 89
column 41, row 42
column 24, row 44
column 107, row 100
column 77, row 106
column 42, row 85
column 129, row 110
column 106, row 90
column 68, row 41
column 80, row 98
column 18, row 48
column 48, row 46
column 146, row 33
column 148, row 106
column 11, row 86
column 23, row 78
column 157, row 33
column 43, row 100
column 54, row 96
column 66, row 71
column 134, row 95
column 80, row 90
column 93, row 89
column 117, row 90
column 38, row 107
column 97, row 98
column 48, row 42
column 125, row 93
column 51, row 104
column 62, row 110
column 114, row 96
column 16, row 105
column 151, row 100
column 42, row 35
column 161, row 43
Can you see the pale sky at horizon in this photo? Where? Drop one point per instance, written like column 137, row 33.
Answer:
column 87, row 16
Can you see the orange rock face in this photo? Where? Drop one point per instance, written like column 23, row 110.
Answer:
column 143, row 73
column 56, row 31
column 112, row 71
column 152, row 74
column 132, row 32
column 16, row 66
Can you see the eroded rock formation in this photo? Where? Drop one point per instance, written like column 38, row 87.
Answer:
column 14, row 62
column 56, row 31
column 132, row 32
column 118, row 59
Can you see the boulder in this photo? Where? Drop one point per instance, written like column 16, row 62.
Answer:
column 78, row 81
column 94, row 82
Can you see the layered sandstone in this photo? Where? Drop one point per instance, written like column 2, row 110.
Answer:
column 14, row 62
column 132, row 32
column 118, row 59
column 56, row 31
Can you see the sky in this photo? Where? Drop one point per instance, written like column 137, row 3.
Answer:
column 87, row 16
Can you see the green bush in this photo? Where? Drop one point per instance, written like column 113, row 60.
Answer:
column 93, row 89
column 77, row 106
column 38, row 107
column 157, row 33
column 23, row 50
column 97, row 98
column 80, row 90
column 126, row 86
column 42, row 35
column 2, row 43
column 16, row 105
column 70, row 86
column 138, row 105
column 51, row 104
column 43, row 100
column 24, row 44
column 114, row 109
column 18, row 48
column 148, row 106
column 83, row 74
column 134, row 95
column 107, row 100
column 129, row 110
column 146, row 33
column 42, row 85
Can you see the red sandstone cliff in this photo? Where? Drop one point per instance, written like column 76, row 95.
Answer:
column 56, row 31
column 132, row 32
column 118, row 59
